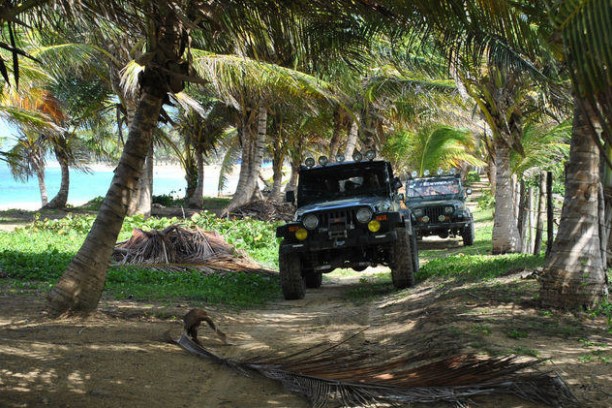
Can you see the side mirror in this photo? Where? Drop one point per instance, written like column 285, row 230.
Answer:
column 397, row 183
column 468, row 191
column 290, row 196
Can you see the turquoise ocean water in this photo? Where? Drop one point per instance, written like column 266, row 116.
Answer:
column 84, row 186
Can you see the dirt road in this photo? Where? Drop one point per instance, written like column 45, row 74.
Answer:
column 118, row 358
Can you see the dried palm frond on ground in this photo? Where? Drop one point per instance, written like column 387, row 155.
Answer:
column 336, row 374
column 265, row 210
column 176, row 245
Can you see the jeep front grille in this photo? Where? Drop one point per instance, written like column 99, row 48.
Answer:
column 433, row 212
column 337, row 222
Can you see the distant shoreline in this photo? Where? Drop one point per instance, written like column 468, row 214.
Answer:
column 170, row 177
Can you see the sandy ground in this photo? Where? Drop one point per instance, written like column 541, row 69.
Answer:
column 118, row 357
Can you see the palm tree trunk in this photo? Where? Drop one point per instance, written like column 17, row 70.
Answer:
column 550, row 216
column 80, row 287
column 252, row 149
column 42, row 187
column 574, row 274
column 196, row 199
column 61, row 198
column 539, row 232
column 142, row 201
column 352, row 140
column 506, row 238
column 277, row 168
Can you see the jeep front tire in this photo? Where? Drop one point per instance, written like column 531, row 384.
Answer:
column 292, row 282
column 402, row 263
column 468, row 235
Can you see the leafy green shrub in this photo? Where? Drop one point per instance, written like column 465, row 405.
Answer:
column 472, row 177
column 93, row 205
column 168, row 200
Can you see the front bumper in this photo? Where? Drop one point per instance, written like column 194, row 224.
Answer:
column 340, row 244
column 446, row 226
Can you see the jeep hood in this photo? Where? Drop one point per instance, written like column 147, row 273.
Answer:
column 412, row 204
column 375, row 203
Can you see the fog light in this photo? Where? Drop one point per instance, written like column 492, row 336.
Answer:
column 425, row 219
column 301, row 234
column 441, row 218
column 374, row 226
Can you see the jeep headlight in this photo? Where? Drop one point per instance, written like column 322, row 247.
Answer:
column 363, row 215
column 310, row 222
column 449, row 209
column 418, row 212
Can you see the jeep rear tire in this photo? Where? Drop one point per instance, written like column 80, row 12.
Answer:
column 292, row 282
column 313, row 280
column 402, row 262
column 414, row 253
column 468, row 235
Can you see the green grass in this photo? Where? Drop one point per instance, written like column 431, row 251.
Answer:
column 35, row 258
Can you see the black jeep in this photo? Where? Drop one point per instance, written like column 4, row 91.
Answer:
column 348, row 216
column 438, row 207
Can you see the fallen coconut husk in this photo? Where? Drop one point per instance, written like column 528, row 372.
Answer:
column 179, row 247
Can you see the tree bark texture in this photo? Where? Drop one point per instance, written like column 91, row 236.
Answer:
column 143, row 200
column 574, row 274
column 506, row 238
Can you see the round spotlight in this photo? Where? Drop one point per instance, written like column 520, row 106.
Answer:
column 425, row 219
column 440, row 172
column 323, row 160
column 363, row 215
column 340, row 158
column 426, row 173
column 414, row 174
column 310, row 222
column 301, row 234
column 309, row 162
column 357, row 156
column 370, row 155
column 374, row 226
column 442, row 218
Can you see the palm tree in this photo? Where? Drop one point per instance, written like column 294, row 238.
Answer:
column 80, row 287
column 432, row 147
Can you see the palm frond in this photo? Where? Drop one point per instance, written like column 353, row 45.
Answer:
column 332, row 375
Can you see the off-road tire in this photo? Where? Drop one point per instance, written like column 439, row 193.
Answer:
column 313, row 280
column 402, row 263
column 468, row 235
column 292, row 282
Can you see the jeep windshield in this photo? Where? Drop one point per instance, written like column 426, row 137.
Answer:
column 339, row 181
column 432, row 188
